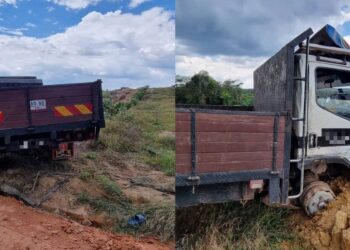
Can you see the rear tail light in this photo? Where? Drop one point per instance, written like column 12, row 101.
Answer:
column 256, row 184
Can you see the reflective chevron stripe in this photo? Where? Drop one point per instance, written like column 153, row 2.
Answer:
column 73, row 110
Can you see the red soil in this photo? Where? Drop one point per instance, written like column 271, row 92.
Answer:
column 23, row 227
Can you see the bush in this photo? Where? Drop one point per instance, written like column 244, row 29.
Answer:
column 202, row 89
column 112, row 109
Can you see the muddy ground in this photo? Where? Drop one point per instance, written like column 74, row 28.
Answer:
column 329, row 229
column 23, row 227
column 55, row 187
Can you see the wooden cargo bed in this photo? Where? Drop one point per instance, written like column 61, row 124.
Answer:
column 217, row 141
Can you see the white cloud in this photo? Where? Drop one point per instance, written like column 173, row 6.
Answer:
column 135, row 3
column 232, row 40
column 31, row 25
column 250, row 27
column 75, row 4
column 12, row 2
column 13, row 32
column 221, row 67
column 122, row 49
column 50, row 9
column 347, row 38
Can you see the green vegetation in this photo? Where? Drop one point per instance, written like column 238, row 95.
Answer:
column 233, row 226
column 160, row 218
column 202, row 89
column 86, row 175
column 114, row 204
column 99, row 204
column 160, row 221
column 111, row 108
column 142, row 130
column 145, row 130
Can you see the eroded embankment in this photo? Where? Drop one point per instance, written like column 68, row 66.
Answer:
column 329, row 229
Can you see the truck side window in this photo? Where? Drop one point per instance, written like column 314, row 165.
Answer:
column 333, row 91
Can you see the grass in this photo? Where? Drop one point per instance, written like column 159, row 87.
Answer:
column 98, row 204
column 160, row 218
column 86, row 175
column 160, row 221
column 144, row 131
column 232, row 226
column 121, row 134
column 165, row 160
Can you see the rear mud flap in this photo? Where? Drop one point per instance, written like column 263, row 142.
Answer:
column 274, row 190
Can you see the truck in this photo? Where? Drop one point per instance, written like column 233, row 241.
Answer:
column 287, row 145
column 34, row 116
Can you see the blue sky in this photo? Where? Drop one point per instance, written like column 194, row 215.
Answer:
column 345, row 29
column 129, row 42
column 230, row 39
column 50, row 18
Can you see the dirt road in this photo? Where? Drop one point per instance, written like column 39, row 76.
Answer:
column 23, row 227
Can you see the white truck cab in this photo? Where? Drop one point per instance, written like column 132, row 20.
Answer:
column 328, row 108
column 310, row 80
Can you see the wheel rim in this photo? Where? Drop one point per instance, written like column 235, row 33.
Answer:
column 316, row 196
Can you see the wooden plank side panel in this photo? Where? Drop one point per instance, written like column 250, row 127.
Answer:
column 232, row 157
column 186, row 117
column 183, row 142
column 207, row 137
column 216, row 147
column 237, row 123
column 227, row 118
column 183, row 168
column 239, row 166
column 57, row 91
column 228, row 142
column 14, row 109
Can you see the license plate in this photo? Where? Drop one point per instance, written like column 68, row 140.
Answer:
column 37, row 104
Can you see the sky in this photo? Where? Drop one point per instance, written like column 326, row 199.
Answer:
column 126, row 43
column 230, row 39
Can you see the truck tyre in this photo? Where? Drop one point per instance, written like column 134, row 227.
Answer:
column 316, row 196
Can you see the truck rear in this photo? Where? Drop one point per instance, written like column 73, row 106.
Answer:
column 35, row 116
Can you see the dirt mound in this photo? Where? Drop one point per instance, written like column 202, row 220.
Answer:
column 123, row 94
column 22, row 227
column 329, row 229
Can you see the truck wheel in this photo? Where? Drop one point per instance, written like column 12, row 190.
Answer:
column 316, row 196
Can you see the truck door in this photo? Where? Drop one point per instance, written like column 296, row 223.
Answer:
column 328, row 111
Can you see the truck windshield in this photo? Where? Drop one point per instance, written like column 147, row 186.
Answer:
column 333, row 91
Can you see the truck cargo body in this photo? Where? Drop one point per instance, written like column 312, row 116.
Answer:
column 224, row 155
column 33, row 115
column 227, row 147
